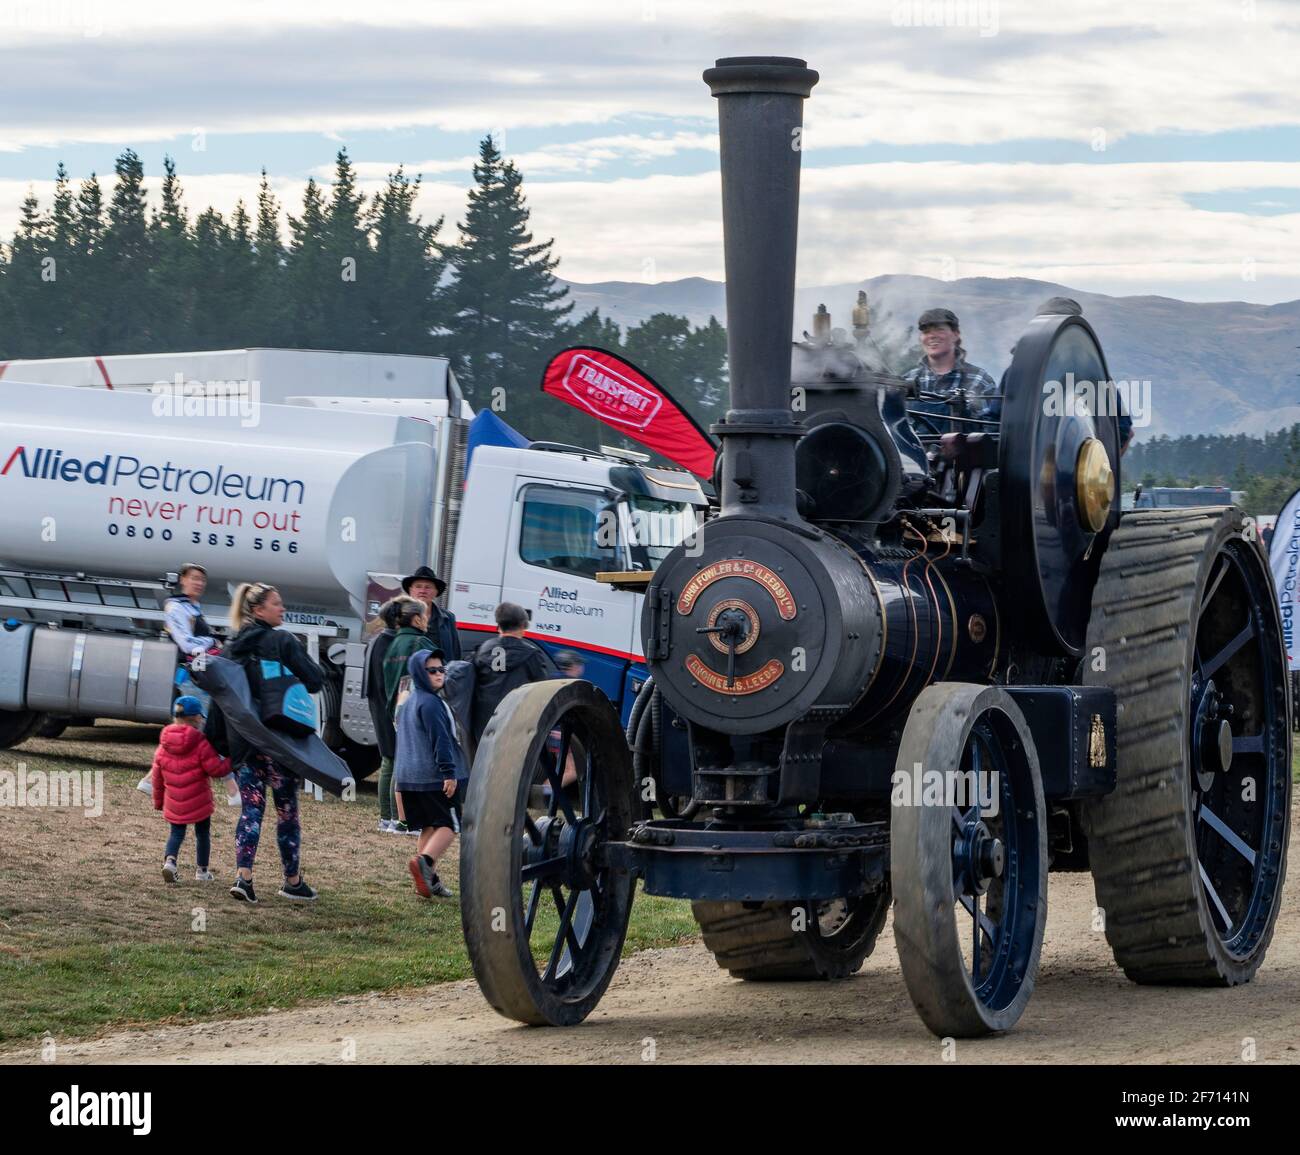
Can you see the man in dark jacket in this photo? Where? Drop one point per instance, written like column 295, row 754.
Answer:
column 428, row 587
column 377, row 700
column 504, row 663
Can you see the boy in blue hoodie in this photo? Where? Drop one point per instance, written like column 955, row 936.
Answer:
column 430, row 769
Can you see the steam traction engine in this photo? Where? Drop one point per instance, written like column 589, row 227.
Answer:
column 918, row 658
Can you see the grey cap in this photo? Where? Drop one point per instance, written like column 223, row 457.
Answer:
column 938, row 317
column 1060, row 306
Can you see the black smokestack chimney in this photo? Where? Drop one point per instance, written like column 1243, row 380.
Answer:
column 760, row 123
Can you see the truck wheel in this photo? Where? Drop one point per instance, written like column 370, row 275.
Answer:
column 757, row 941
column 362, row 761
column 53, row 725
column 17, row 726
column 1189, row 852
column 970, row 882
column 544, row 911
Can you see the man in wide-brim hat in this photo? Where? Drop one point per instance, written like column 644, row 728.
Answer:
column 427, row 586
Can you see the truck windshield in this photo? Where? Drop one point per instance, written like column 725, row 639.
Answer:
column 1162, row 497
column 656, row 527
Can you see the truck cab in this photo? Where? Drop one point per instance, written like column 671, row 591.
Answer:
column 566, row 517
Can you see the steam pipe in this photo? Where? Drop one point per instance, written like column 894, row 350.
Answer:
column 760, row 119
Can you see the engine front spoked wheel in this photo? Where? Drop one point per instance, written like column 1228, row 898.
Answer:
column 543, row 911
column 968, row 845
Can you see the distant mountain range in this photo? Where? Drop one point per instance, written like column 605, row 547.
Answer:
column 1221, row 367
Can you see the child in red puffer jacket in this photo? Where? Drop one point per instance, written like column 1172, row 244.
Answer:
column 183, row 766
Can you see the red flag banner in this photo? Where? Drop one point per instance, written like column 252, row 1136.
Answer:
column 619, row 394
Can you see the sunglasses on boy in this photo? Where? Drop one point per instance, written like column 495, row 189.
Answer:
column 436, row 669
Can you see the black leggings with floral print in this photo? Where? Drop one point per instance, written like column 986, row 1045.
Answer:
column 254, row 776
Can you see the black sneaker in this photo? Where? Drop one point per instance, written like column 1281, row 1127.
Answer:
column 439, row 889
column 243, row 890
column 299, row 891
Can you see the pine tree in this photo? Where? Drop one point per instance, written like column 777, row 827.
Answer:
column 89, row 326
column 709, row 378
column 28, row 282
column 211, row 307
column 266, row 296
column 508, row 316
column 593, row 329
column 8, row 320
column 308, row 274
column 348, row 249
column 126, row 256
column 239, row 275
column 689, row 363
column 405, row 301
column 172, row 266
column 64, row 297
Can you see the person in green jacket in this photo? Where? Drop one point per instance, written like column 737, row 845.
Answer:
column 410, row 616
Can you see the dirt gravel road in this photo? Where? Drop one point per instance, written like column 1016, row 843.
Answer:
column 676, row 1006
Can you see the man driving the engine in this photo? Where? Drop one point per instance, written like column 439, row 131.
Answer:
column 944, row 370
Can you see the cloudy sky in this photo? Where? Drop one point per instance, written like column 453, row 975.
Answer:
column 1120, row 146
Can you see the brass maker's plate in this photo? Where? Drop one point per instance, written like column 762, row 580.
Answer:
column 738, row 567
column 748, row 684
column 745, row 608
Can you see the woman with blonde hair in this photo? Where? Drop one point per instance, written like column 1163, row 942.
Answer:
column 255, row 613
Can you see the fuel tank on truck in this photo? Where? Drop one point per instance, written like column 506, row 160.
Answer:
column 306, row 499
column 268, row 375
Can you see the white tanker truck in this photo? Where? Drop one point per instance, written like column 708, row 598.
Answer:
column 104, row 493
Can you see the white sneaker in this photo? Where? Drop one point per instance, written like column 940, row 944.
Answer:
column 385, row 826
column 145, row 785
column 170, row 871
column 203, row 876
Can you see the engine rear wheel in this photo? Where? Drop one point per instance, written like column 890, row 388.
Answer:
column 1189, row 852
column 791, row 941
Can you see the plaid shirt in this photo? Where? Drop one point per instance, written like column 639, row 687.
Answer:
column 962, row 376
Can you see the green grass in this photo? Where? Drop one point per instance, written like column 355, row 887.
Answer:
column 92, row 939
column 341, row 947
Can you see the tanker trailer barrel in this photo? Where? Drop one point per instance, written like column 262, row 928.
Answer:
column 760, row 119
